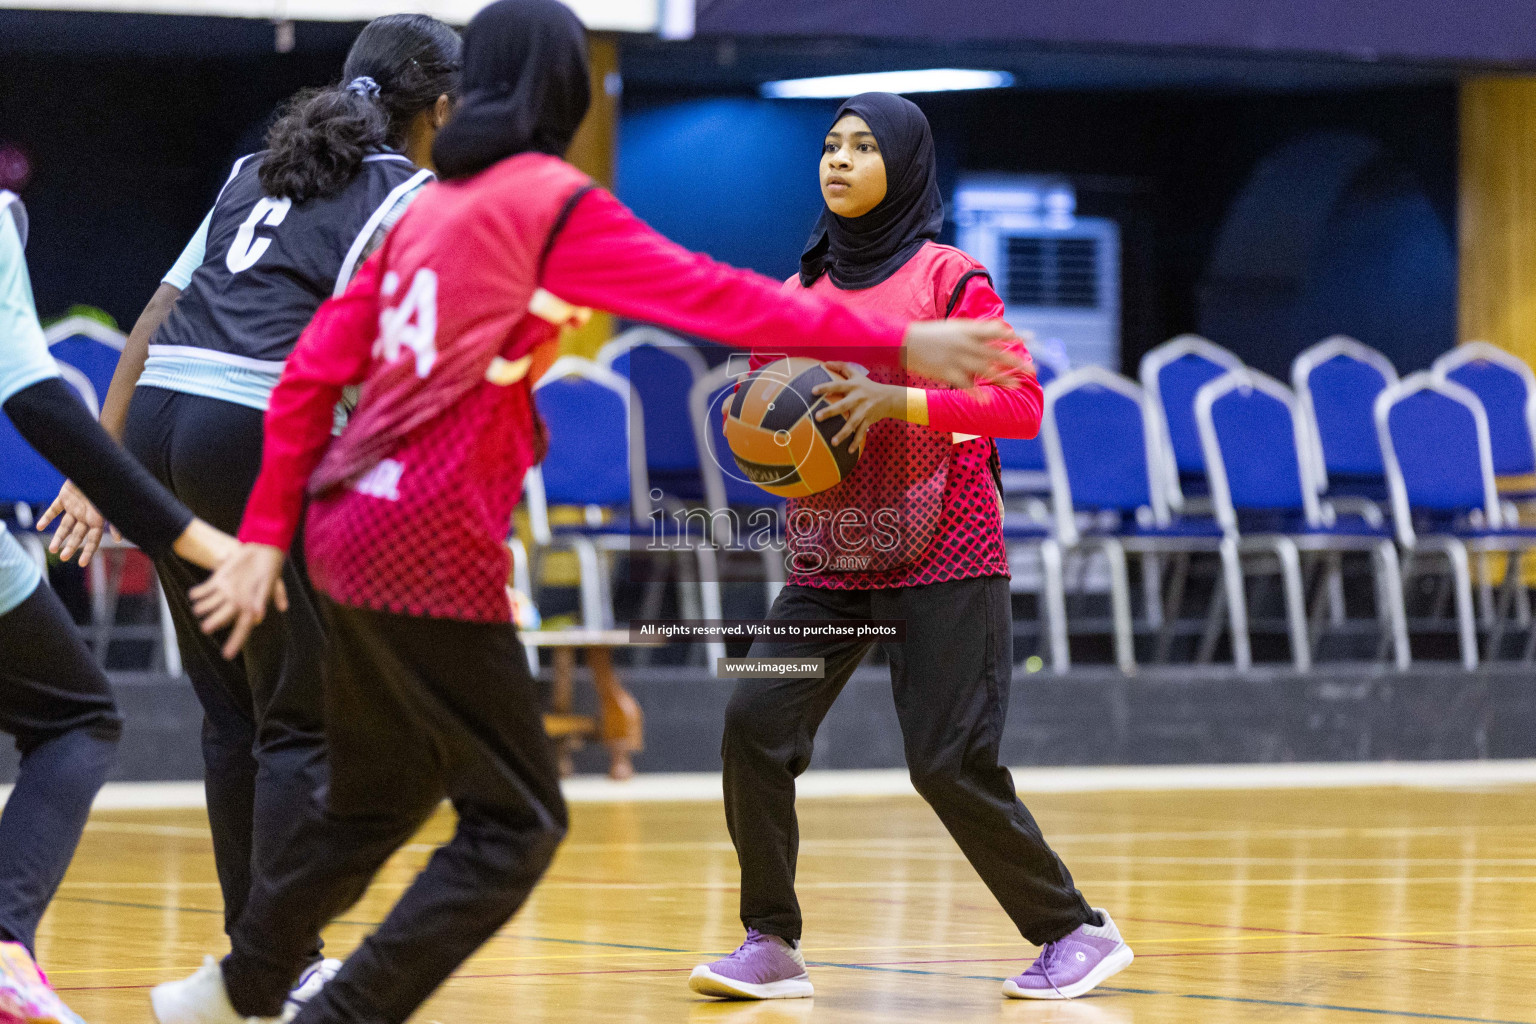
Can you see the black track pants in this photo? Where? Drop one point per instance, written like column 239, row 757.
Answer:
column 416, row 710
column 56, row 702
column 950, row 680
column 263, row 718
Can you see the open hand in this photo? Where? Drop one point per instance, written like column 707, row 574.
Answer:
column 962, row 352
column 859, row 400
column 80, row 525
column 238, row 592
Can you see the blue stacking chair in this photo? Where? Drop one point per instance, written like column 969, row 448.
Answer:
column 1171, row 374
column 1106, row 493
column 90, row 346
column 1337, row 381
column 1259, row 455
column 28, row 482
column 663, row 370
column 596, row 461
column 1436, row 446
column 591, row 417
column 26, row 478
column 1023, row 459
column 1507, row 389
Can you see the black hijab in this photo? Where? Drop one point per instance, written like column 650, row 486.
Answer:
column 860, row 252
column 525, row 86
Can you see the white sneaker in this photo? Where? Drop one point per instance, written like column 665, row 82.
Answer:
column 200, row 999
column 315, row 977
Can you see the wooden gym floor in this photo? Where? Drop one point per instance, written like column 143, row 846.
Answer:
column 1338, row 905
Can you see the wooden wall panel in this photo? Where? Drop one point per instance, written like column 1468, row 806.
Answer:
column 593, row 151
column 1498, row 214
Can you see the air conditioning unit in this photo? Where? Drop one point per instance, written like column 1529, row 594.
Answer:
column 1058, row 274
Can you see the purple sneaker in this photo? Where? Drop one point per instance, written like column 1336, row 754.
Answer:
column 764, row 967
column 1076, row 963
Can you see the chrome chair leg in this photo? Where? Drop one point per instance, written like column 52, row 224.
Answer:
column 1054, row 604
column 1237, row 605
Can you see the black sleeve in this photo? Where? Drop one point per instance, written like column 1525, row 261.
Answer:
column 51, row 417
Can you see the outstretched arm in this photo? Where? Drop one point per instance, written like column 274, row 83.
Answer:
column 607, row 258
column 54, row 421
column 1006, row 407
column 990, row 410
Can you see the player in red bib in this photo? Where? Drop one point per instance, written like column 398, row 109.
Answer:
column 928, row 457
column 427, row 691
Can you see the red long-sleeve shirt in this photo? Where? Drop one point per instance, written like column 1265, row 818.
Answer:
column 431, row 543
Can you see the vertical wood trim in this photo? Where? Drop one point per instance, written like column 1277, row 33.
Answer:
column 1497, row 214
column 593, row 151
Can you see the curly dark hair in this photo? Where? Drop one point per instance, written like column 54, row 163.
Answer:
column 397, row 68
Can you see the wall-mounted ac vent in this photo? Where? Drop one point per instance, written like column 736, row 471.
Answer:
column 1058, row 274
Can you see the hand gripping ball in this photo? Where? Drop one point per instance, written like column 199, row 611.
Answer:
column 774, row 436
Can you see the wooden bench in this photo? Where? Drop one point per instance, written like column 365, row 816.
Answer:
column 618, row 724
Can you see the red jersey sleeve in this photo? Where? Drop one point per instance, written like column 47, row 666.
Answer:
column 335, row 350
column 607, row 258
column 988, row 409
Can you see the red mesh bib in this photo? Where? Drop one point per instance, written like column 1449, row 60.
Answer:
column 919, row 508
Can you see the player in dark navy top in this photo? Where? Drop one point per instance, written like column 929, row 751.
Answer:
column 288, row 229
column 268, row 263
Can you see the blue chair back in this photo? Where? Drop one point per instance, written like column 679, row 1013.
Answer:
column 662, row 376
column 1171, row 375
column 1342, row 390
column 1178, row 383
column 90, row 347
column 25, row 476
column 1435, row 443
column 1250, row 430
column 1103, row 445
column 589, row 422
column 1026, row 454
column 1505, row 396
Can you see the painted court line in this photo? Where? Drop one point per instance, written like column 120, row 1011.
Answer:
column 1235, row 952
column 1286, row 1004
column 1107, row 991
column 1412, row 938
column 705, row 786
column 924, row 885
column 896, row 782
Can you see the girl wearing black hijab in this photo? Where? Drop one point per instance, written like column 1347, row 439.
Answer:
column 427, row 693
column 928, row 457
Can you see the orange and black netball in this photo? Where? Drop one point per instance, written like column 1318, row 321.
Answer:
column 771, row 427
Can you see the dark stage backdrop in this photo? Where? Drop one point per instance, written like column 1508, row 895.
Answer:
column 1460, row 31
column 128, row 146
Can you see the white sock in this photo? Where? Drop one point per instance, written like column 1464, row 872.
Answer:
column 792, row 948
column 1107, row 930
